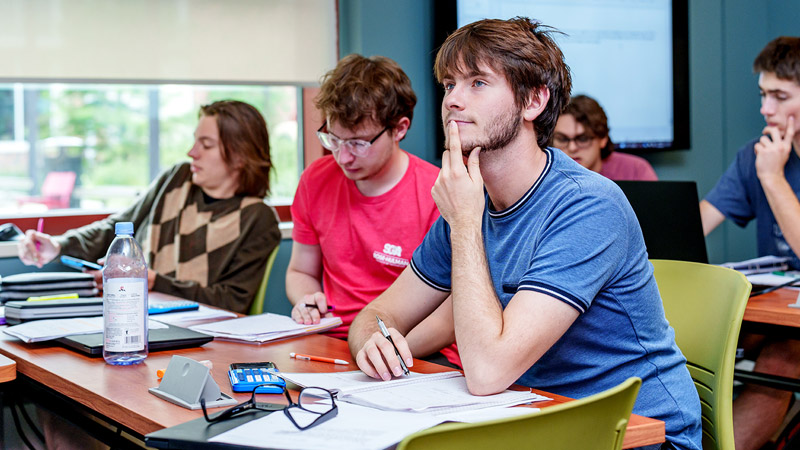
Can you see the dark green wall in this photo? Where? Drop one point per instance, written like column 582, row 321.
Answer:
column 401, row 30
column 724, row 38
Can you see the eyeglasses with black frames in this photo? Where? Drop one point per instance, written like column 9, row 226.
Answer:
column 356, row 147
column 581, row 141
column 314, row 406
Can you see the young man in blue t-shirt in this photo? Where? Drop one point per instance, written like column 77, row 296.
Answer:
column 545, row 260
column 763, row 183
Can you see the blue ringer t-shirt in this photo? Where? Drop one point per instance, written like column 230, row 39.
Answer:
column 573, row 236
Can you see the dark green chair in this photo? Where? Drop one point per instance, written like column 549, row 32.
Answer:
column 258, row 304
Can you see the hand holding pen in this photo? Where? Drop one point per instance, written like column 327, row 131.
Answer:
column 37, row 248
column 388, row 336
column 384, row 354
column 311, row 309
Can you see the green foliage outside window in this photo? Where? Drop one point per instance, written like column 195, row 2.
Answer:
column 102, row 132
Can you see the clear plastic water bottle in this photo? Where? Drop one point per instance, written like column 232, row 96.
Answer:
column 124, row 299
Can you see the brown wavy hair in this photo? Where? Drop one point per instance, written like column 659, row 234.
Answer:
column 361, row 88
column 590, row 114
column 244, row 143
column 781, row 57
column 523, row 51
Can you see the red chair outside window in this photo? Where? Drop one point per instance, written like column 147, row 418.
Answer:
column 56, row 191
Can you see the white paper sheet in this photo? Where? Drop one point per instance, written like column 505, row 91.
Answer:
column 432, row 393
column 201, row 313
column 480, row 415
column 355, row 427
column 47, row 329
column 763, row 264
column 356, row 380
column 774, row 279
column 264, row 327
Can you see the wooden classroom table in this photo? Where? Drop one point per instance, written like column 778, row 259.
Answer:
column 772, row 308
column 770, row 314
column 119, row 393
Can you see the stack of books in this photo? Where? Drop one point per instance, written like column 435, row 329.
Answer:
column 18, row 311
column 41, row 284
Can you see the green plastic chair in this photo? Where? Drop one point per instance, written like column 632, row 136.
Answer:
column 705, row 305
column 597, row 422
column 258, row 303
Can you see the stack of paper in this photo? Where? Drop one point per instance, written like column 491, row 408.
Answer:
column 201, row 313
column 436, row 393
column 264, row 327
column 358, row 427
column 764, row 264
column 354, row 428
column 775, row 279
column 47, row 329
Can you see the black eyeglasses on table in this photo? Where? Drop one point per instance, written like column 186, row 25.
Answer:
column 314, row 406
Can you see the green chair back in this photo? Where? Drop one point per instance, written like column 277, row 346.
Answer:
column 597, row 422
column 705, row 305
column 258, row 303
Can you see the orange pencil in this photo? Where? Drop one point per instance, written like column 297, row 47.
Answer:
column 318, row 358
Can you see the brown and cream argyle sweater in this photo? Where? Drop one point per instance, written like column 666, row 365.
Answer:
column 212, row 252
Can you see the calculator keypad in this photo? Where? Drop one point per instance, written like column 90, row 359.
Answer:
column 244, row 380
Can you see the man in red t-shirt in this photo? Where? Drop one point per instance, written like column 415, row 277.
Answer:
column 359, row 213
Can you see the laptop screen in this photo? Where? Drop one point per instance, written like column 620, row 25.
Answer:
column 669, row 214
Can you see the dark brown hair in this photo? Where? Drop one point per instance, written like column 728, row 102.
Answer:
column 360, row 88
column 244, row 143
column 781, row 57
column 520, row 49
column 590, row 114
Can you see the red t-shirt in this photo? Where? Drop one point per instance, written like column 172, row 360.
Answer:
column 365, row 241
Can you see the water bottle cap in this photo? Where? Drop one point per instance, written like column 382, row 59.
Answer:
column 123, row 228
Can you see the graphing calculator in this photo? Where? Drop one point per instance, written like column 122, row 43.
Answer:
column 246, row 376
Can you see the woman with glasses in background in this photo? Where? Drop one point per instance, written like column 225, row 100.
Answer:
column 582, row 133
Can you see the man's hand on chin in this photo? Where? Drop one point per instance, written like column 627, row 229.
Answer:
column 458, row 191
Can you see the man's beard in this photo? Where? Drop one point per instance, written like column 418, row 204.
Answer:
column 503, row 129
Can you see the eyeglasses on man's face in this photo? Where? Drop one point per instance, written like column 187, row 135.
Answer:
column 356, row 147
column 581, row 141
column 314, row 406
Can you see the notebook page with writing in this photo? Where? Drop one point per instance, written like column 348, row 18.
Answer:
column 346, row 383
column 431, row 393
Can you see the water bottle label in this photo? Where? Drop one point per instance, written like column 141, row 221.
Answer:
column 125, row 314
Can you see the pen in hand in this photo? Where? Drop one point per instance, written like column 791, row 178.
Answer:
column 386, row 334
column 39, row 229
column 314, row 305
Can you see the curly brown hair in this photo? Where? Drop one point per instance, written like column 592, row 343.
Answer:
column 781, row 57
column 361, row 88
column 244, row 143
column 523, row 51
column 590, row 114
